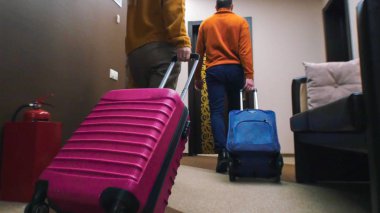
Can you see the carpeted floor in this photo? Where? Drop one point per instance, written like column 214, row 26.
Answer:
column 209, row 162
column 202, row 190
column 198, row 188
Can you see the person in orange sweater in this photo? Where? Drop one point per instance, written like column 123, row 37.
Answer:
column 226, row 41
column 155, row 33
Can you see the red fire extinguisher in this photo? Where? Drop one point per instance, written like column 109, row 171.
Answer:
column 27, row 147
column 35, row 113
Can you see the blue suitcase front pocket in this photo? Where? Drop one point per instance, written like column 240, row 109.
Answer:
column 249, row 133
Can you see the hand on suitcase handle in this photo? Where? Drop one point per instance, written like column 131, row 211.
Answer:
column 193, row 56
column 249, row 85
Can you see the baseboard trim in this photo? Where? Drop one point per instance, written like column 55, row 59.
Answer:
column 287, row 155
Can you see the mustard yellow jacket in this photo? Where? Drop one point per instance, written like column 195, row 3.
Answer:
column 156, row 20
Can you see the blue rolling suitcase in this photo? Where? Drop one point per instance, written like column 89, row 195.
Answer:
column 252, row 143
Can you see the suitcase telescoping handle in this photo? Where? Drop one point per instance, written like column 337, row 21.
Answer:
column 194, row 57
column 255, row 99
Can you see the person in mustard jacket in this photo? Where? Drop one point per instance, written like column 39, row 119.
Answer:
column 226, row 41
column 155, row 33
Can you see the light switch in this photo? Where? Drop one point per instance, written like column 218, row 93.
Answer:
column 119, row 2
column 118, row 18
column 114, row 74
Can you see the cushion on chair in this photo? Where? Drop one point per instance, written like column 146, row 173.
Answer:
column 331, row 81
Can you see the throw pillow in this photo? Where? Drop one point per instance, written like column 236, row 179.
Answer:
column 331, row 81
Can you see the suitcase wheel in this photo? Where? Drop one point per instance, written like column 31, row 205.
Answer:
column 115, row 200
column 280, row 164
column 119, row 209
column 38, row 205
column 231, row 174
column 37, row 208
column 232, row 177
column 280, row 161
column 277, row 179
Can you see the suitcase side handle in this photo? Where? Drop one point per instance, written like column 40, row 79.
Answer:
column 255, row 99
column 193, row 56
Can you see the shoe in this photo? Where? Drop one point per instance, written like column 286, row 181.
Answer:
column 222, row 164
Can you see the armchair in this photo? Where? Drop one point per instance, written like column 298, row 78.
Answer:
column 330, row 140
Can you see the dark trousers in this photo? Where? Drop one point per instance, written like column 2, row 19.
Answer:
column 222, row 81
column 149, row 63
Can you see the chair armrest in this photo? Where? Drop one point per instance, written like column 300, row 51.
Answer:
column 299, row 99
column 344, row 115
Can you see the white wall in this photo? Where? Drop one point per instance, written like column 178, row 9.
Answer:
column 285, row 33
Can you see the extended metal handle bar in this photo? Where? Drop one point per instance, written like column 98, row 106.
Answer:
column 194, row 57
column 255, row 99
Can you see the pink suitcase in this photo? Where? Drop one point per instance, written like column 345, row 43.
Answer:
column 123, row 157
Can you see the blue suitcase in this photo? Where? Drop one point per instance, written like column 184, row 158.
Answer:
column 252, row 143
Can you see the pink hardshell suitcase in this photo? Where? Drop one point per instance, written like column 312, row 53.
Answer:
column 123, row 157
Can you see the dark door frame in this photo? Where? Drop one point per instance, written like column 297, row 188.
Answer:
column 336, row 22
column 193, row 101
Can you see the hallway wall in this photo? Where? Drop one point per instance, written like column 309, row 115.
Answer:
column 285, row 33
column 63, row 47
column 67, row 48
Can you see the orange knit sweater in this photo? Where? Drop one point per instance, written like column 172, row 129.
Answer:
column 225, row 38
